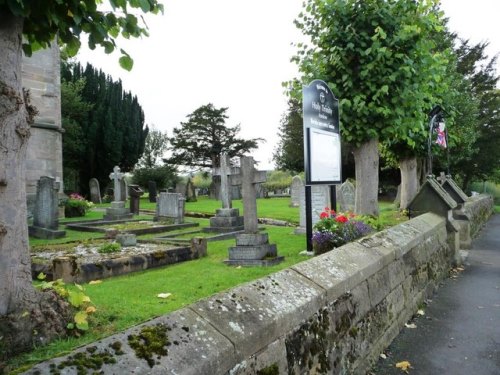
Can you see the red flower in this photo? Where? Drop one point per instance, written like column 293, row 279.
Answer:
column 324, row 215
column 341, row 219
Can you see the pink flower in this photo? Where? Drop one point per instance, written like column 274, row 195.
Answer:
column 324, row 215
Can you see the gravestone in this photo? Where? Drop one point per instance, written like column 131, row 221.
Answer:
column 252, row 247
column 95, row 192
column 46, row 211
column 135, row 193
column 170, row 206
column 226, row 219
column 117, row 211
column 152, row 191
column 295, row 190
column 180, row 188
column 346, row 195
column 123, row 190
column 190, row 192
column 320, row 198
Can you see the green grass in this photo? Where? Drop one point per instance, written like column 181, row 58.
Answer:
column 128, row 300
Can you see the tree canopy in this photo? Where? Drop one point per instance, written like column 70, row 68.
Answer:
column 199, row 141
column 112, row 133
column 155, row 146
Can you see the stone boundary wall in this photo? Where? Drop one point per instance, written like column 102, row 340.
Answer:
column 479, row 208
column 332, row 314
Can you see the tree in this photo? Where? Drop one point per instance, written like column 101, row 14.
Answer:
column 200, row 141
column 113, row 133
column 376, row 56
column 289, row 153
column 27, row 316
column 154, row 148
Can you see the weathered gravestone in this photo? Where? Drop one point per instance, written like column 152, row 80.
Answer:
column 46, row 212
column 190, row 192
column 226, row 219
column 346, row 195
column 123, row 189
column 117, row 211
column 170, row 206
column 135, row 193
column 320, row 198
column 296, row 189
column 252, row 248
column 180, row 188
column 95, row 191
column 152, row 191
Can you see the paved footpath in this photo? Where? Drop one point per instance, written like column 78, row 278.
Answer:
column 460, row 332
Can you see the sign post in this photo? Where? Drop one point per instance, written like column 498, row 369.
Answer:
column 322, row 153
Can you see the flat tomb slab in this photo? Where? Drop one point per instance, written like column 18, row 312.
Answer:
column 137, row 227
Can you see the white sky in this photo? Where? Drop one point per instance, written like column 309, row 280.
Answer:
column 236, row 54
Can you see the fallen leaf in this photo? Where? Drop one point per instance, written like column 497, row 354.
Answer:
column 164, row 295
column 93, row 282
column 90, row 310
column 410, row 325
column 383, row 356
column 403, row 365
column 421, row 312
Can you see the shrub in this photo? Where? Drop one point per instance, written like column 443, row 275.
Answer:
column 109, row 247
column 336, row 229
column 76, row 205
column 164, row 176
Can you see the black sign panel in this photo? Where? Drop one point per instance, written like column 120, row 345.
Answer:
column 321, row 134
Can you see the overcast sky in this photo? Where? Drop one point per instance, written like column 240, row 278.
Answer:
column 236, row 54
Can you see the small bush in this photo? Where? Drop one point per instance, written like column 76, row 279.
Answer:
column 110, row 247
column 76, row 205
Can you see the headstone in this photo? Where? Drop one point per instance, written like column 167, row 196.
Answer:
column 295, row 191
column 252, row 248
column 346, row 196
column 226, row 219
column 190, row 192
column 135, row 193
column 180, row 188
column 320, row 198
column 170, row 206
column 123, row 190
column 152, row 191
column 95, row 192
column 46, row 211
column 117, row 211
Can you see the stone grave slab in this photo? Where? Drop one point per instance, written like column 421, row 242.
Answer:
column 95, row 191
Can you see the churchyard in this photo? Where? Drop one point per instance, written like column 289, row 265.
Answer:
column 126, row 300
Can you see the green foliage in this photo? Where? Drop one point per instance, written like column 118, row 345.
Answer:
column 76, row 205
column 277, row 180
column 44, row 19
column 108, row 129
column 379, row 57
column 76, row 298
column 165, row 176
column 155, row 146
column 200, row 141
column 109, row 247
column 289, row 153
column 202, row 180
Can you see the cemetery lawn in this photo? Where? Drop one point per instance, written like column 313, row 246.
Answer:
column 128, row 300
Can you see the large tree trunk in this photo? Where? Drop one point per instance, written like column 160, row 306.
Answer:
column 409, row 180
column 366, row 159
column 26, row 316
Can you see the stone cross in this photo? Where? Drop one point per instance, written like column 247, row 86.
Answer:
column 247, row 178
column 225, row 175
column 441, row 178
column 116, row 176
